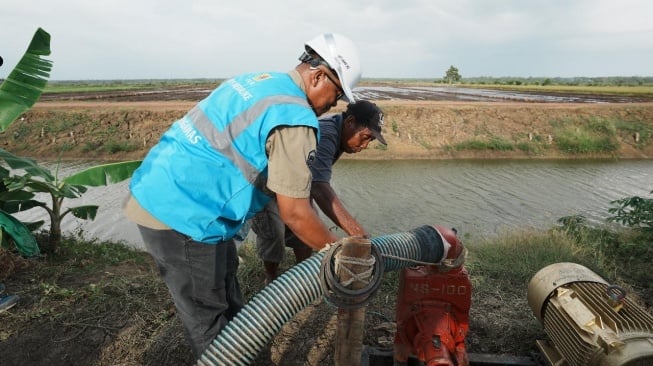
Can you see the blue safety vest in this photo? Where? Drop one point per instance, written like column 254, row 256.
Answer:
column 207, row 174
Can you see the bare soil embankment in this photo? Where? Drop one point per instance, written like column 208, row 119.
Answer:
column 414, row 129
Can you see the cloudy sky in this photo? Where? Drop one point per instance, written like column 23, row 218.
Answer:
column 161, row 39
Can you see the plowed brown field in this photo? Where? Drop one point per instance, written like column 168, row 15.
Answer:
column 414, row 129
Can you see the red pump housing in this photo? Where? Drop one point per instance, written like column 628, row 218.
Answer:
column 433, row 308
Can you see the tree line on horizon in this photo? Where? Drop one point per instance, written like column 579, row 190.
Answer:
column 572, row 81
column 452, row 75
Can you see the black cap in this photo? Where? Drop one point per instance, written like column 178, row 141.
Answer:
column 369, row 115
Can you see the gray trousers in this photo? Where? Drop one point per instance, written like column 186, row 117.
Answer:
column 272, row 234
column 201, row 279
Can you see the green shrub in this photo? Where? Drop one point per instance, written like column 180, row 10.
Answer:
column 580, row 141
column 619, row 254
column 528, row 147
column 495, row 144
column 634, row 212
column 67, row 147
column 644, row 129
column 395, row 127
column 113, row 147
column 21, row 132
column 471, row 145
column 602, row 126
column 65, row 122
column 499, row 144
column 91, row 146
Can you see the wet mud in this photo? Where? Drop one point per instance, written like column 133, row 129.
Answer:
column 418, row 93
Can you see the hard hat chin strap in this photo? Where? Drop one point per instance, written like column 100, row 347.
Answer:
column 314, row 61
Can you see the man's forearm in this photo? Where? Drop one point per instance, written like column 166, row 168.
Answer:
column 326, row 198
column 300, row 217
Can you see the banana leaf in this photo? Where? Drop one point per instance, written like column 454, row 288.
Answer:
column 85, row 212
column 27, row 164
column 4, row 172
column 15, row 206
column 21, row 235
column 102, row 175
column 25, row 83
column 7, row 196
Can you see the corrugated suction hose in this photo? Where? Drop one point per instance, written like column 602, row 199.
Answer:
column 262, row 318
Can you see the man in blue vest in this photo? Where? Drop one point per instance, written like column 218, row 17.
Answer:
column 348, row 132
column 248, row 142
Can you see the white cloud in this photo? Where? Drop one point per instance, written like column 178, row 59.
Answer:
column 113, row 39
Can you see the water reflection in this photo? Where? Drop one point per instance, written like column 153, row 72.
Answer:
column 476, row 197
column 440, row 93
column 484, row 197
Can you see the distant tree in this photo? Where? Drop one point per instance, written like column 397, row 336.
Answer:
column 452, row 75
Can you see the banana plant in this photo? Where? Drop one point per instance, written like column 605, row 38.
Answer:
column 20, row 190
column 18, row 93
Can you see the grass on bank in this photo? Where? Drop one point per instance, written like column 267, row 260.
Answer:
column 593, row 135
column 77, row 86
column 115, row 291
column 110, row 138
column 639, row 90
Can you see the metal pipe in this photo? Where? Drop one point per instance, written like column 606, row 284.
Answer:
column 262, row 318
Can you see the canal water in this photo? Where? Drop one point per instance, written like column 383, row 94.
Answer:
column 479, row 198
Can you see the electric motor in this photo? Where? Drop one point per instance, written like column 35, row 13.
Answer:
column 588, row 321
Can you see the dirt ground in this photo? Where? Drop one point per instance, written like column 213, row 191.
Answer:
column 81, row 127
column 122, row 315
column 111, row 127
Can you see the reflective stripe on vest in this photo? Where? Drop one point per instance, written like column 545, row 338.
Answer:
column 222, row 141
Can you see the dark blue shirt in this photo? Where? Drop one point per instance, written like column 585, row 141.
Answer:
column 328, row 149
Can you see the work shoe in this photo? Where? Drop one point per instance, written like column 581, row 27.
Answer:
column 7, row 301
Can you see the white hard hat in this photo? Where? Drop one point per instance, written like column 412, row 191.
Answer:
column 340, row 53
